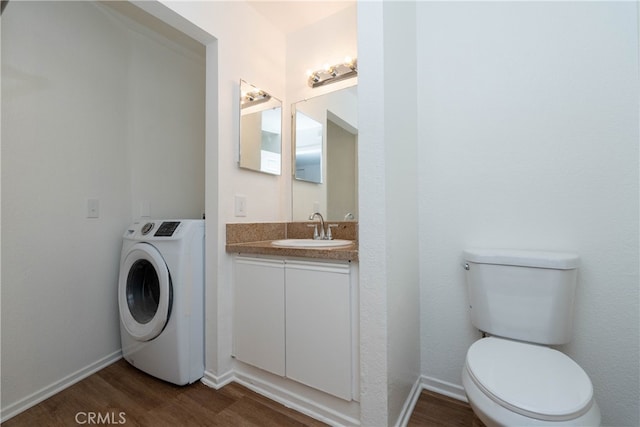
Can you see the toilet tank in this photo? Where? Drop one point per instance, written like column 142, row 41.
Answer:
column 522, row 295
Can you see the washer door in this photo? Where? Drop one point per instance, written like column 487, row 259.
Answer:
column 144, row 292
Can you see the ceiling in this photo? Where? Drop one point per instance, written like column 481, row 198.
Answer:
column 291, row 15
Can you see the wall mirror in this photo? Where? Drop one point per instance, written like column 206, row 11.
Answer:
column 260, row 130
column 325, row 162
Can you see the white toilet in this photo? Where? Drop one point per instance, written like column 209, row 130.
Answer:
column 523, row 302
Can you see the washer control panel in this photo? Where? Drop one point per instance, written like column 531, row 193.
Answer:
column 167, row 228
column 150, row 229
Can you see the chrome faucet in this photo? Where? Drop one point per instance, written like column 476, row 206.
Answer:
column 321, row 235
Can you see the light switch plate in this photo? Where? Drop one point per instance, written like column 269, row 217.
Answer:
column 145, row 209
column 240, row 205
column 93, row 208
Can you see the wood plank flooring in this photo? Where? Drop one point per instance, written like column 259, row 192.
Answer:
column 436, row 410
column 121, row 394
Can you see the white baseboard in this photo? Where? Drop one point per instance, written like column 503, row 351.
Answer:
column 277, row 393
column 217, row 382
column 410, row 404
column 48, row 391
column 292, row 400
column 448, row 389
column 322, row 413
column 432, row 384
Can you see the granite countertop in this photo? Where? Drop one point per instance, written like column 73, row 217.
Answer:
column 256, row 238
column 349, row 253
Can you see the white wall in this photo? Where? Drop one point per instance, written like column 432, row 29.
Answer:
column 401, row 174
column 371, row 206
column 175, row 93
column 327, row 41
column 389, row 282
column 70, row 129
column 528, row 138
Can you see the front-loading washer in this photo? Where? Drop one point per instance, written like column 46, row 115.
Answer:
column 161, row 298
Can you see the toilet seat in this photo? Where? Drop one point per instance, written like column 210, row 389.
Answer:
column 531, row 380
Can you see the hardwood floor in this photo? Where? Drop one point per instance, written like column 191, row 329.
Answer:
column 121, row 394
column 437, row 410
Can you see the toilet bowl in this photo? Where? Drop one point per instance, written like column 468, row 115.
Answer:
column 510, row 383
column 524, row 301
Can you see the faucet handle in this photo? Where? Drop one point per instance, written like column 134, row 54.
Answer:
column 316, row 236
column 329, row 227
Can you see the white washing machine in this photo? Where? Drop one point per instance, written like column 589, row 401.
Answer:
column 161, row 298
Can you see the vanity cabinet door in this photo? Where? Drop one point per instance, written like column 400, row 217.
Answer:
column 318, row 326
column 258, row 320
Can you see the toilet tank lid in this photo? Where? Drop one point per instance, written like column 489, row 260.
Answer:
column 523, row 258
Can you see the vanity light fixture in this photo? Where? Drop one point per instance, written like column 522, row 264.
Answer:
column 332, row 74
column 254, row 97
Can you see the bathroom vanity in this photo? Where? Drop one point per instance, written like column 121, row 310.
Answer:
column 295, row 314
column 296, row 318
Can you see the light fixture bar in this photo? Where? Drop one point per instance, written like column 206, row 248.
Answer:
column 333, row 74
column 256, row 97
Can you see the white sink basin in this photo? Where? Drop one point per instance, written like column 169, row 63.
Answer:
column 311, row 243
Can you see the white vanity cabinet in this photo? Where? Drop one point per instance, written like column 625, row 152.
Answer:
column 296, row 318
column 258, row 317
column 318, row 326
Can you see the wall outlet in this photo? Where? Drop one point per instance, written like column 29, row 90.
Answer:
column 240, row 205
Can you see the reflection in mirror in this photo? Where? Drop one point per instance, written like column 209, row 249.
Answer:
column 260, row 130
column 308, row 150
column 335, row 195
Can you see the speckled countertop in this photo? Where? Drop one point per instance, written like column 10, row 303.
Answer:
column 256, row 238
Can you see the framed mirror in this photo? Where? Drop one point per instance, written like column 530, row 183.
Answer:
column 260, row 130
column 325, row 162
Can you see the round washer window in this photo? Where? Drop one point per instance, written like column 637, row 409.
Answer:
column 143, row 291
